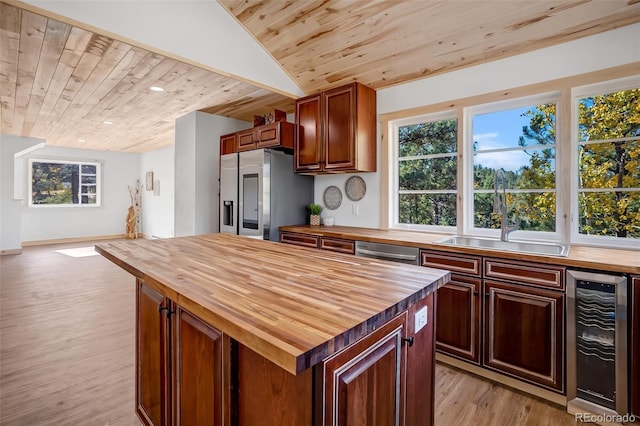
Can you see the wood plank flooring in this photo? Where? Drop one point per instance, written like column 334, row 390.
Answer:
column 67, row 351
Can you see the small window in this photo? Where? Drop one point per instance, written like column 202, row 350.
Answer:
column 519, row 139
column 426, row 172
column 64, row 183
column 608, row 163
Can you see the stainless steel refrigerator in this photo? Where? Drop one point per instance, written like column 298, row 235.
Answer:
column 259, row 192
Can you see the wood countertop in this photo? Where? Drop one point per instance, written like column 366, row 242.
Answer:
column 293, row 305
column 598, row 258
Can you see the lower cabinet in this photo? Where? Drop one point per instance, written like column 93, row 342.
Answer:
column 179, row 369
column 458, row 318
column 635, row 346
column 365, row 383
column 189, row 373
column 524, row 333
column 324, row 243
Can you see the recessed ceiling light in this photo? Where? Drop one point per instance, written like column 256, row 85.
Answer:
column 156, row 89
column 82, row 140
column 107, row 122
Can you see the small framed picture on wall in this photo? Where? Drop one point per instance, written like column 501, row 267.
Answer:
column 149, row 181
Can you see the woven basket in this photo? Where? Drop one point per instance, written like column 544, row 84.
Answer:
column 314, row 219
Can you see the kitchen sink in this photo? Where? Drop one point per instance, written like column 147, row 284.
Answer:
column 530, row 247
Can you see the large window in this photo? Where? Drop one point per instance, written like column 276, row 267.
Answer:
column 426, row 172
column 518, row 138
column 607, row 158
column 64, row 183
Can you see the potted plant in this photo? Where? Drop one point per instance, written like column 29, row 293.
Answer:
column 314, row 214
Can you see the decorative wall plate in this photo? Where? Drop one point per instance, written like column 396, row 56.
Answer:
column 332, row 197
column 355, row 188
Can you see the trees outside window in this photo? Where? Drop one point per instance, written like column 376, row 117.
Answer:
column 608, row 163
column 427, row 172
column 64, row 183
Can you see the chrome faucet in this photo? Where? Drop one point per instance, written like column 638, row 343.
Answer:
column 500, row 199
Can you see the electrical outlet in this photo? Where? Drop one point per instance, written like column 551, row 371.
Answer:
column 420, row 319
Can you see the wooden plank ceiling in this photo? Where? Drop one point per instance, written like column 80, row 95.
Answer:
column 62, row 83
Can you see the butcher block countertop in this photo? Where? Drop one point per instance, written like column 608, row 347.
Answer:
column 294, row 306
column 604, row 259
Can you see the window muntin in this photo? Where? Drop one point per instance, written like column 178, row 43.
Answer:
column 607, row 157
column 519, row 137
column 64, row 183
column 425, row 175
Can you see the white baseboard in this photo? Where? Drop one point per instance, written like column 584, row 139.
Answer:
column 70, row 240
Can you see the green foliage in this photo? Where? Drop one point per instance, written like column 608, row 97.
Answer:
column 54, row 183
column 315, row 209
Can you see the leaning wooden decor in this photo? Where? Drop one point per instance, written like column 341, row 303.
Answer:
column 133, row 213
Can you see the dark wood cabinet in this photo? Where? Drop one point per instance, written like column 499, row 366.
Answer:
column 524, row 333
column 198, row 372
column 458, row 324
column 635, row 346
column 365, row 383
column 152, row 356
column 180, row 374
column 325, row 243
column 336, row 131
column 228, row 144
column 458, row 318
column 273, row 135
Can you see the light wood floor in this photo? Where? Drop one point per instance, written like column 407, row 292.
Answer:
column 67, row 351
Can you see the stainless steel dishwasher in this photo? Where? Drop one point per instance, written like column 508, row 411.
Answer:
column 390, row 252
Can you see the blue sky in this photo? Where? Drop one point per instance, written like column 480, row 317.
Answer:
column 500, row 130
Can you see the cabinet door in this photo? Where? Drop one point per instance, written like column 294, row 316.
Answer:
column 339, row 128
column 458, row 318
column 246, row 140
column 524, row 333
column 228, row 144
column 299, row 239
column 338, row 245
column 152, row 356
column 197, row 371
column 308, row 144
column 635, row 345
column 364, row 383
column 268, row 135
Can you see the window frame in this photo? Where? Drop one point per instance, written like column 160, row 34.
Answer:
column 80, row 163
column 394, row 181
column 578, row 92
column 468, row 227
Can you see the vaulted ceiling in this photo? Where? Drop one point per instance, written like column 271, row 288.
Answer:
column 63, row 82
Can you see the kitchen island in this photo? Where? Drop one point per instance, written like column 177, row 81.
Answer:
column 232, row 330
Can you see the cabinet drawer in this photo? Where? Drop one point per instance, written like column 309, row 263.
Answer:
column 470, row 265
column 535, row 274
column 340, row 246
column 299, row 239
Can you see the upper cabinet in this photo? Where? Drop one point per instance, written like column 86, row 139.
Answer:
column 336, row 131
column 273, row 135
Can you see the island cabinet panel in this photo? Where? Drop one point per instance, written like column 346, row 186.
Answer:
column 152, row 356
column 337, row 131
column 635, row 345
column 267, row 394
column 458, row 325
column 198, row 372
column 524, row 333
column 364, row 384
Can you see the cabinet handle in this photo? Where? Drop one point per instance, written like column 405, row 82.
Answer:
column 165, row 308
column 475, row 293
column 409, row 340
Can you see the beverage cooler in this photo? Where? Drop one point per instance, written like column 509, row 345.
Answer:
column 597, row 343
column 259, row 192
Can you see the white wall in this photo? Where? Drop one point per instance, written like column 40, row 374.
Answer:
column 119, row 171
column 605, row 50
column 197, row 152
column 10, row 209
column 158, row 205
